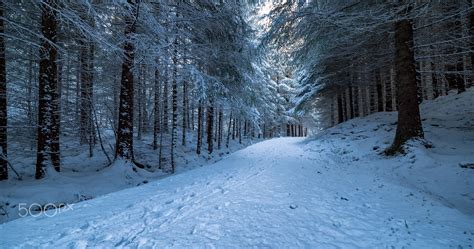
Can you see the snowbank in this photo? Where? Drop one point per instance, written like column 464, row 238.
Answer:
column 334, row 190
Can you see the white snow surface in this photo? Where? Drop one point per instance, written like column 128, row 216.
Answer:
column 334, row 190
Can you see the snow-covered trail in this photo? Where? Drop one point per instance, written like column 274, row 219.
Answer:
column 274, row 194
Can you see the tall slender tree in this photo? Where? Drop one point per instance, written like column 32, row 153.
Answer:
column 3, row 99
column 124, row 144
column 47, row 92
column 210, row 124
column 199, row 128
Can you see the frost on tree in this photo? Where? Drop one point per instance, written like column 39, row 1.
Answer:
column 124, row 146
column 48, row 102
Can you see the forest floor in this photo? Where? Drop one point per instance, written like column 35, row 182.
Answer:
column 84, row 178
column 333, row 190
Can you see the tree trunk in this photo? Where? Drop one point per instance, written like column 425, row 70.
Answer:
column 340, row 114
column 344, row 107
column 233, row 128
column 351, row 105
column 31, row 98
column 156, row 109
column 3, row 100
column 165, row 117
column 174, row 124
column 356, row 102
column 184, row 125
column 240, row 131
column 199, row 129
column 219, row 128
column 409, row 121
column 210, row 123
column 192, row 114
column 471, row 34
column 124, row 144
column 331, row 116
column 85, row 60
column 378, row 81
column 229, row 125
column 138, row 102
column 48, row 141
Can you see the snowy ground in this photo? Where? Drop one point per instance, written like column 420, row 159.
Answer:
column 331, row 191
column 83, row 177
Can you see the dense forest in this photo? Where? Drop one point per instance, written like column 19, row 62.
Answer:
column 99, row 96
column 163, row 69
column 360, row 57
column 166, row 69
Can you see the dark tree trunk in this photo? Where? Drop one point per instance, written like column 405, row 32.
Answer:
column 471, row 33
column 85, row 60
column 165, row 117
column 48, row 142
column 30, row 97
column 174, row 99
column 210, row 123
column 340, row 114
column 233, row 128
column 378, row 81
column 240, row 131
column 156, row 109
column 388, row 95
column 229, row 125
column 356, row 102
column 351, row 106
column 199, row 128
column 143, row 87
column 216, row 125
column 184, row 125
column 124, row 144
column 139, row 102
column 344, row 106
column 436, row 90
column 461, row 86
column 3, row 100
column 219, row 133
column 409, row 121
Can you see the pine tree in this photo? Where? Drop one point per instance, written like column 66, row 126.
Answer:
column 199, row 128
column 229, row 125
column 174, row 93
column 209, row 130
column 156, row 109
column 124, row 144
column 48, row 143
column 409, row 121
column 86, row 58
column 3, row 100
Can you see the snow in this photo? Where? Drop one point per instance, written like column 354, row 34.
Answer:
column 334, row 190
column 84, row 178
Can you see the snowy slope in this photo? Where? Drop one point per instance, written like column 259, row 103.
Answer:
column 84, row 178
column 331, row 191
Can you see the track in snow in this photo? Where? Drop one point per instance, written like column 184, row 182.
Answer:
column 273, row 194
